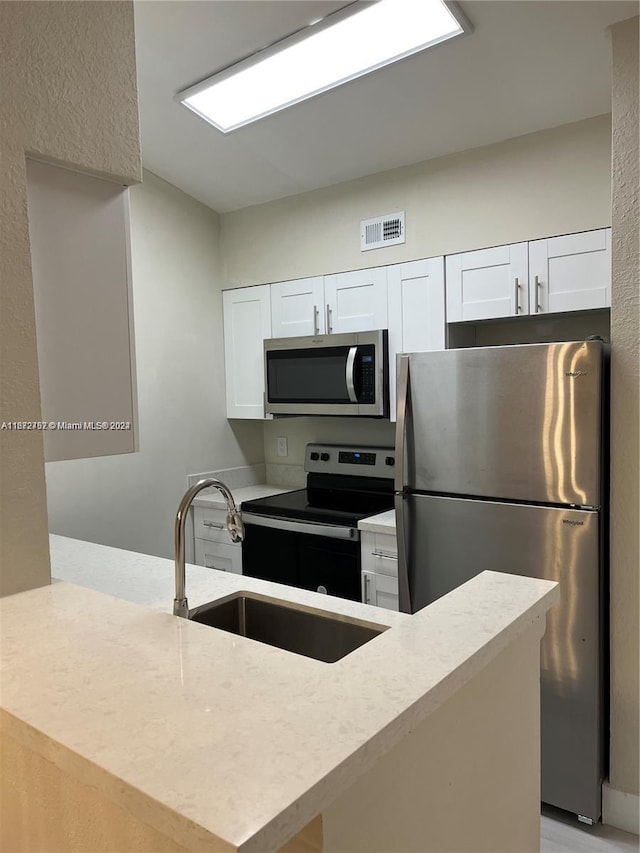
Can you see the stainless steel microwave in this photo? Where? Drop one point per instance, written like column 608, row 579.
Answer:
column 328, row 375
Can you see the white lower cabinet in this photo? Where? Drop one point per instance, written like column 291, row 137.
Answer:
column 379, row 554
column 213, row 545
column 380, row 590
column 213, row 555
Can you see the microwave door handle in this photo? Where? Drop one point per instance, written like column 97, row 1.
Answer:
column 350, row 371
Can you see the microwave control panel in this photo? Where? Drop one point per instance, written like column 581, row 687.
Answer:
column 367, row 390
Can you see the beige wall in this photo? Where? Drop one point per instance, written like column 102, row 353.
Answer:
column 129, row 501
column 625, row 385
column 68, row 94
column 551, row 182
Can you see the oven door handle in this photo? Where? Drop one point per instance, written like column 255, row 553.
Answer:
column 350, row 374
column 331, row 531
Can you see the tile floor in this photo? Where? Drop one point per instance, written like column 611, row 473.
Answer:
column 562, row 833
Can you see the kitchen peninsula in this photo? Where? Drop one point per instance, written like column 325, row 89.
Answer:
column 127, row 728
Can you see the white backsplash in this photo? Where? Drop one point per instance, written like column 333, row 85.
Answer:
column 235, row 478
column 288, row 471
column 287, row 476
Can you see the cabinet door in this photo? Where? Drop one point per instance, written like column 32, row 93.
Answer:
column 570, row 273
column 298, row 308
column 213, row 555
column 356, row 301
column 247, row 322
column 488, row 283
column 380, row 590
column 416, row 313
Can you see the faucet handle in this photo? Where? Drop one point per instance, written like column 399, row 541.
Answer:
column 235, row 526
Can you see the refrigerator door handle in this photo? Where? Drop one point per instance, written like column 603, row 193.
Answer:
column 402, row 405
column 404, row 592
column 401, row 421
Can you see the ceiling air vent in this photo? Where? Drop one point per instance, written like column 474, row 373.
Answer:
column 382, row 231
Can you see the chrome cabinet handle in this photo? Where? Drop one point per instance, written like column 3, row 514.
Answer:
column 518, row 308
column 366, row 589
column 384, row 556
column 315, row 320
column 213, row 524
column 329, row 313
column 538, row 291
column 349, row 374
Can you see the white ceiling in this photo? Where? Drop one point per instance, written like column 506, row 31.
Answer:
column 526, row 66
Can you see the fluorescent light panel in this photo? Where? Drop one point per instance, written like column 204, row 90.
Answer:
column 328, row 56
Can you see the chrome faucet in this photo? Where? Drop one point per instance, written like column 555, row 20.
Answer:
column 234, row 526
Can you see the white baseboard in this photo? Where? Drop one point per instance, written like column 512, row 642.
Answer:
column 620, row 810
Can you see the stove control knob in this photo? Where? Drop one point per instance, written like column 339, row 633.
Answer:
column 314, row 456
column 324, row 457
column 389, row 460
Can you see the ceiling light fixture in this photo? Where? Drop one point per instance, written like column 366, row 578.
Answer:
column 342, row 47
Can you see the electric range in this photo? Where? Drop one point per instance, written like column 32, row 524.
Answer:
column 309, row 538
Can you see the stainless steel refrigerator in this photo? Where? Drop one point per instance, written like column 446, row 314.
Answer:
column 501, row 465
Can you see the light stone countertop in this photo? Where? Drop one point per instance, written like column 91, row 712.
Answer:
column 384, row 522
column 213, row 499
column 216, row 738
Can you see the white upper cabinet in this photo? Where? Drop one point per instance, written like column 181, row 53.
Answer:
column 298, row 308
column 346, row 302
column 416, row 312
column 81, row 265
column 488, row 283
column 356, row 301
column 570, row 273
column 414, row 301
column 247, row 322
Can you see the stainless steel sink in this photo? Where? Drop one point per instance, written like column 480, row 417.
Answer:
column 313, row 633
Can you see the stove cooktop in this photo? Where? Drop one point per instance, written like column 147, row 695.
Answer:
column 324, row 506
column 345, row 484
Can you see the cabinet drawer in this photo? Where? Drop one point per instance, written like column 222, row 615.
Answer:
column 211, row 524
column 212, row 555
column 379, row 553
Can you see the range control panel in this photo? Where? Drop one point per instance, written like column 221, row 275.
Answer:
column 359, row 461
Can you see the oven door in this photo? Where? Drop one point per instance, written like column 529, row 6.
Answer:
column 322, row 558
column 327, row 375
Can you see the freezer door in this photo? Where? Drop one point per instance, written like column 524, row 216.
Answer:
column 517, row 422
column 450, row 540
